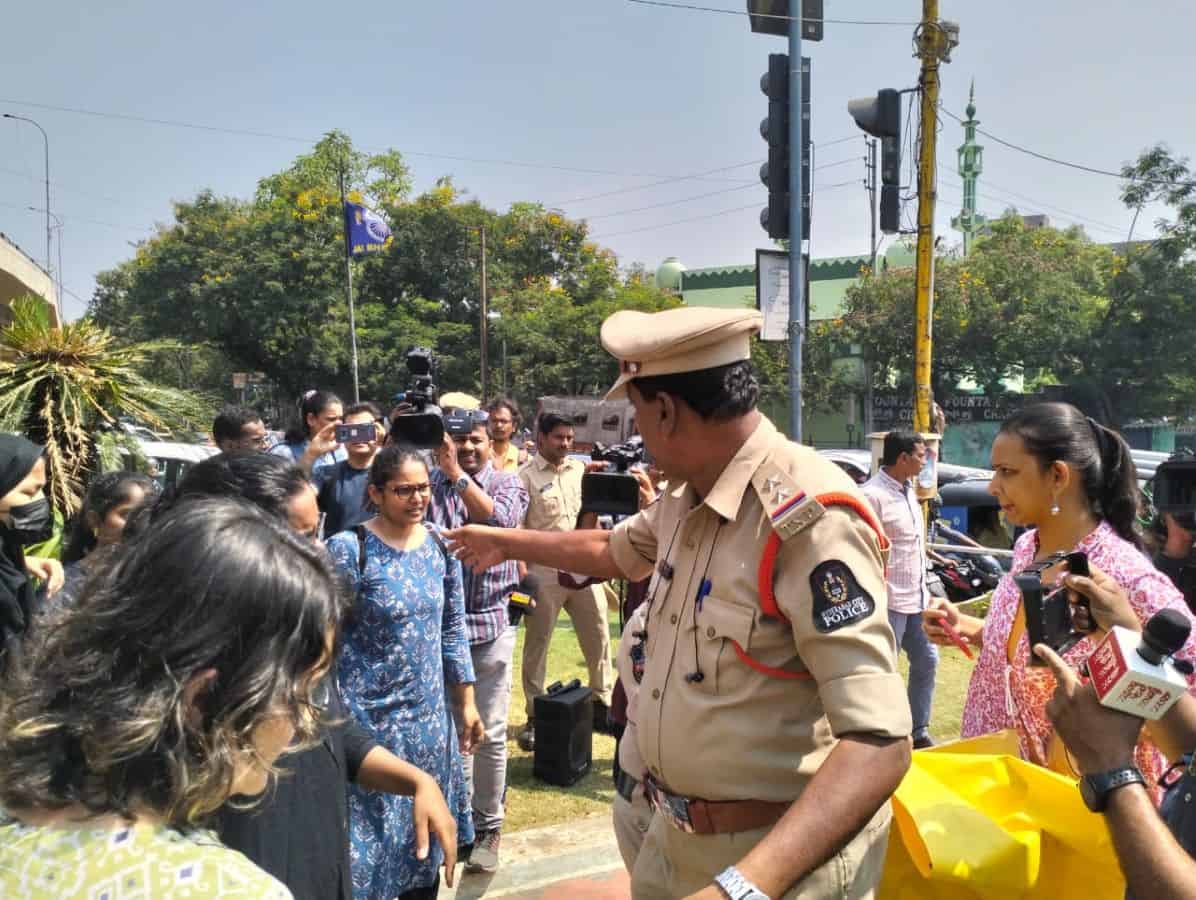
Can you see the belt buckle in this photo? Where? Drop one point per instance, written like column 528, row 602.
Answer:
column 675, row 809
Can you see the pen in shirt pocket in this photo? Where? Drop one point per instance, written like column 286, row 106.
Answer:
column 703, row 591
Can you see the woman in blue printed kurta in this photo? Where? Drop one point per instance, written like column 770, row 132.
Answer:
column 404, row 642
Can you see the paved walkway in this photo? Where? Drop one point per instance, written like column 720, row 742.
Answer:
column 578, row 860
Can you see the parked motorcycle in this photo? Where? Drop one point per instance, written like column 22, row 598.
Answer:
column 969, row 575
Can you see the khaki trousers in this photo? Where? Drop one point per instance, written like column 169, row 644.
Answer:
column 631, row 821
column 674, row 864
column 587, row 611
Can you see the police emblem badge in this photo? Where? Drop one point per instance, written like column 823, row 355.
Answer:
column 839, row 600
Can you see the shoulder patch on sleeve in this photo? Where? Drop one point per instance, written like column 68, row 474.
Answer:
column 789, row 509
column 838, row 598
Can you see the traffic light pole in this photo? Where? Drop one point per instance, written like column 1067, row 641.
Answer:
column 872, row 200
column 797, row 284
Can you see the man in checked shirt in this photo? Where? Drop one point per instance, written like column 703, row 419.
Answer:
column 892, row 496
column 466, row 488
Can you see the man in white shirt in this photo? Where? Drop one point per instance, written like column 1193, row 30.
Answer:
column 892, row 497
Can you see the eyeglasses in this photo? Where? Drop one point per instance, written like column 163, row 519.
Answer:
column 406, row 491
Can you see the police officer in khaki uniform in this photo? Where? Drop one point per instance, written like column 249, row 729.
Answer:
column 552, row 479
column 772, row 721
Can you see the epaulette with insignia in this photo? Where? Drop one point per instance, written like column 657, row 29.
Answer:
column 790, row 509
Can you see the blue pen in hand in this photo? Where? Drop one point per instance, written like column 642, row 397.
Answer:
column 703, row 592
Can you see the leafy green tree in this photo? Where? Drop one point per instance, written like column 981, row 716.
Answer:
column 260, row 281
column 554, row 342
column 61, row 386
column 1141, row 356
column 1021, row 302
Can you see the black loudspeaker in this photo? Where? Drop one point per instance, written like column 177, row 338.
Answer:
column 564, row 734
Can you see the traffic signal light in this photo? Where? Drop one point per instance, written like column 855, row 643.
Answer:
column 772, row 17
column 775, row 130
column 880, row 116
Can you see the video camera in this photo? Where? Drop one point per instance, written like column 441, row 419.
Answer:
column 1174, row 490
column 423, row 426
column 1049, row 616
column 613, row 493
column 458, row 422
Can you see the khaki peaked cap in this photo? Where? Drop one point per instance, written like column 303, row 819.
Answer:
column 677, row 340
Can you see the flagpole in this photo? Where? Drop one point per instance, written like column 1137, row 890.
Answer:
column 349, row 286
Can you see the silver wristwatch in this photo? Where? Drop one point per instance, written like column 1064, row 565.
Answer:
column 736, row 887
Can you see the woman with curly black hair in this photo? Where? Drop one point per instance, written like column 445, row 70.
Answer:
column 184, row 672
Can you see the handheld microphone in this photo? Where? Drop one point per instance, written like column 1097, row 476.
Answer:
column 1135, row 673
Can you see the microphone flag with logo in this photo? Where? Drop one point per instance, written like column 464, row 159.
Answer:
column 366, row 231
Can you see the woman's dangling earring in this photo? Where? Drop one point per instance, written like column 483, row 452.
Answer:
column 1054, row 506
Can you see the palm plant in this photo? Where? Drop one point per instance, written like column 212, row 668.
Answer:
column 61, row 386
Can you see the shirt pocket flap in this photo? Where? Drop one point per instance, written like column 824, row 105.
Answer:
column 721, row 619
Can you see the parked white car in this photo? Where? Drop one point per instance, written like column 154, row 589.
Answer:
column 169, row 460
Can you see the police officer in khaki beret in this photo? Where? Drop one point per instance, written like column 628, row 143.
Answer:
column 772, row 721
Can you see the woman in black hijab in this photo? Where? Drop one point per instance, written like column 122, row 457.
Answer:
column 25, row 518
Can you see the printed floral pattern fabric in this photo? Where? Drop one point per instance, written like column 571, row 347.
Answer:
column 141, row 862
column 1004, row 695
column 404, row 641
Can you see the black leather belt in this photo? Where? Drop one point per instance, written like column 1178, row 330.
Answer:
column 625, row 785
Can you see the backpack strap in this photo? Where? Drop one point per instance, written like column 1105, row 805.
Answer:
column 439, row 539
column 360, row 531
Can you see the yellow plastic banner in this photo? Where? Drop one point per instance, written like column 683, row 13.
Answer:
column 971, row 821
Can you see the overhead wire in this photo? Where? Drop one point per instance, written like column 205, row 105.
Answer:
column 695, row 175
column 627, row 212
column 644, row 187
column 723, row 212
column 1093, row 170
column 1064, row 214
column 736, row 12
column 68, row 219
column 840, row 162
column 63, row 187
column 245, row 132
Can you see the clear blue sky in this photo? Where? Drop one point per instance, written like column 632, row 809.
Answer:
column 638, row 91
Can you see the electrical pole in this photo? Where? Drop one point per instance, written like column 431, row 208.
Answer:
column 797, row 283
column 871, row 187
column 934, row 40
column 484, row 326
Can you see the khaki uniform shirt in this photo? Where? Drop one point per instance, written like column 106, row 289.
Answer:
column 554, row 494
column 735, row 733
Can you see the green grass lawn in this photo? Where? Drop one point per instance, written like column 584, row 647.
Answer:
column 532, row 803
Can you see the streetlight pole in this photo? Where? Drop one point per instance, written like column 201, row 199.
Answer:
column 46, row 140
column 59, row 225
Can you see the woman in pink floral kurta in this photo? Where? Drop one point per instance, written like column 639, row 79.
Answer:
column 1014, row 695
column 1073, row 479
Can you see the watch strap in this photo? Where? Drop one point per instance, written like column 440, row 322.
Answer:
column 461, row 485
column 1099, row 786
column 732, row 883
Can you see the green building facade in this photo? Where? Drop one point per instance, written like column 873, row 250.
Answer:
column 731, row 287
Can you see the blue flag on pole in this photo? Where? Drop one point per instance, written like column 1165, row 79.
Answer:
column 365, row 230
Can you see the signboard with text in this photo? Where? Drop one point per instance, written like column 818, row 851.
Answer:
column 892, row 409
column 772, row 293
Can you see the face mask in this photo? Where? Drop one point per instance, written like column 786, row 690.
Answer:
column 33, row 522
